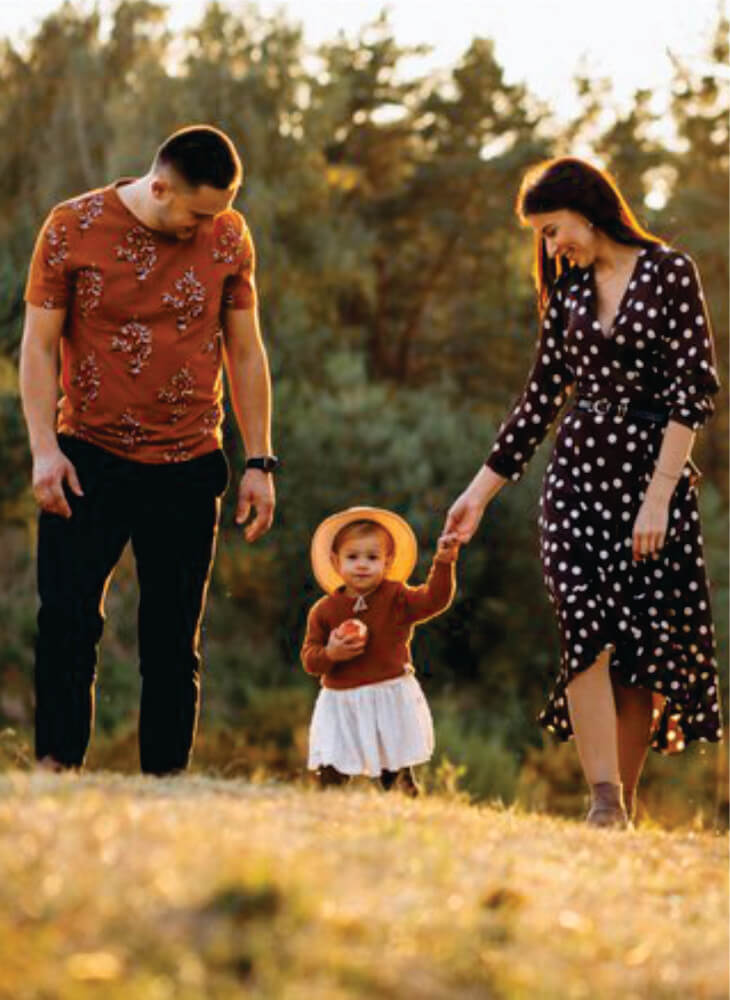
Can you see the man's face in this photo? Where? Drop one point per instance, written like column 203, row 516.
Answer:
column 180, row 209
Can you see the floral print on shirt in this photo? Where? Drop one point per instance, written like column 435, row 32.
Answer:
column 212, row 347
column 212, row 419
column 134, row 339
column 89, row 289
column 129, row 431
column 88, row 209
column 139, row 249
column 177, row 453
column 178, row 392
column 189, row 301
column 87, row 379
column 56, row 238
column 228, row 247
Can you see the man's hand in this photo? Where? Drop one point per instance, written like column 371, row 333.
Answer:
column 50, row 470
column 256, row 491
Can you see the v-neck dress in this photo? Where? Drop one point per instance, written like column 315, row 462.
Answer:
column 653, row 616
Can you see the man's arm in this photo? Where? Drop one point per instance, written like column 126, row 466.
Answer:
column 250, row 387
column 39, row 394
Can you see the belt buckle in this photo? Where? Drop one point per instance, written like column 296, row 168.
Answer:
column 622, row 407
column 602, row 406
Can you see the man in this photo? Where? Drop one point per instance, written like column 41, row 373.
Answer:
column 142, row 288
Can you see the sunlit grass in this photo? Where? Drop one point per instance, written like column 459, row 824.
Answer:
column 192, row 887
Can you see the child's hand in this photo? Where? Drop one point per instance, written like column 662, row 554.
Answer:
column 342, row 645
column 447, row 549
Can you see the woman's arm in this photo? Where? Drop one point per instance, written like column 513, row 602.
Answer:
column 688, row 359
column 524, row 428
column 650, row 527
column 467, row 510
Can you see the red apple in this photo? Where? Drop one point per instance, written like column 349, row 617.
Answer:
column 352, row 627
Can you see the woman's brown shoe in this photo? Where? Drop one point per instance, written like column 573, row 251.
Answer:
column 607, row 806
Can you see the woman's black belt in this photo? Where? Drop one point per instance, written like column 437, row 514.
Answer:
column 605, row 406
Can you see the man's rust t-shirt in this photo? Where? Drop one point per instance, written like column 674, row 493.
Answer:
column 141, row 369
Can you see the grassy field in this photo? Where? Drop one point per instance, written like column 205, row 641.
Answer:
column 191, row 887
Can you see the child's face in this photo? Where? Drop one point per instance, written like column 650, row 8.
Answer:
column 362, row 561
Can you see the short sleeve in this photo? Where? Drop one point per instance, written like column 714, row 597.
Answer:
column 541, row 399
column 688, row 352
column 240, row 287
column 49, row 277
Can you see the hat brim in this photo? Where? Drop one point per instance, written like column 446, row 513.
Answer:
column 404, row 557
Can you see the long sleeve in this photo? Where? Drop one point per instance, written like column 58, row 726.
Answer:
column 687, row 346
column 314, row 659
column 432, row 597
column 541, row 399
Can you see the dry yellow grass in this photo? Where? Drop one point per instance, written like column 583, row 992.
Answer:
column 192, row 887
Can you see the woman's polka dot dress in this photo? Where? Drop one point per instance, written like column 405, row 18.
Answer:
column 654, row 616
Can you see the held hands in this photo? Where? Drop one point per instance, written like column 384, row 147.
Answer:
column 447, row 549
column 650, row 527
column 50, row 470
column 256, row 490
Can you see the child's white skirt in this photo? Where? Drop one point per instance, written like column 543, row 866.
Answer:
column 367, row 729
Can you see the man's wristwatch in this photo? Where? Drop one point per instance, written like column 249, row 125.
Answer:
column 266, row 463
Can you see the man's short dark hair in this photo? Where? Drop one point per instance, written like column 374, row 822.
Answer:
column 201, row 154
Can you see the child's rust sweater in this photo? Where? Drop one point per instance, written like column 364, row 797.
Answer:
column 392, row 611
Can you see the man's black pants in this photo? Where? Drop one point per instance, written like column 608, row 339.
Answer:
column 170, row 514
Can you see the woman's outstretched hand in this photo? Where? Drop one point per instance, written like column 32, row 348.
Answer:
column 466, row 511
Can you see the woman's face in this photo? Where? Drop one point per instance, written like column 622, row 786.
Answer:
column 566, row 233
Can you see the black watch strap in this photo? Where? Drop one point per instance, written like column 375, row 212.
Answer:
column 266, row 463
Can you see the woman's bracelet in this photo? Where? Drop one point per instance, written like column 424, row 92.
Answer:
column 667, row 475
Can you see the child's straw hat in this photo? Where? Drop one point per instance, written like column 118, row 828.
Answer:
column 404, row 542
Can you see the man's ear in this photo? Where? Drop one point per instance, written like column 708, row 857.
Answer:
column 160, row 188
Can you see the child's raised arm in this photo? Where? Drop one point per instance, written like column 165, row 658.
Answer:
column 437, row 593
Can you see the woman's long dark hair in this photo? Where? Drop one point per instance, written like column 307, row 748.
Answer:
column 573, row 184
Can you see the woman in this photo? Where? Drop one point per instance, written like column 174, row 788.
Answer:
column 624, row 327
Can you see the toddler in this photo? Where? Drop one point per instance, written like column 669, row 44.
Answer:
column 371, row 716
